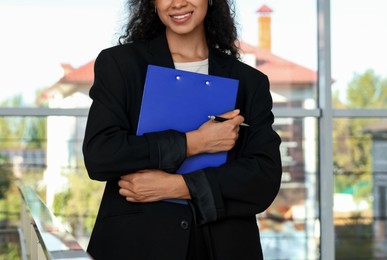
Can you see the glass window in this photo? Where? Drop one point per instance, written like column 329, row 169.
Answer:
column 359, row 53
column 22, row 160
column 360, row 146
column 45, row 45
column 290, row 227
column 280, row 39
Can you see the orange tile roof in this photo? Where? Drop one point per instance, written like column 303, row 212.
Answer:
column 72, row 81
column 281, row 72
column 81, row 75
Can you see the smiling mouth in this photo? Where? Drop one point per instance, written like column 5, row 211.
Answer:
column 180, row 17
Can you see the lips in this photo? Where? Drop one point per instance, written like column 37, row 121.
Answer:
column 181, row 17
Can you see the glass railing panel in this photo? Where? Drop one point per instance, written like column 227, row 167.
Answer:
column 290, row 226
column 45, row 153
column 53, row 240
column 360, row 197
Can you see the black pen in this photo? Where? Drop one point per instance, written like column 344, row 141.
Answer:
column 222, row 119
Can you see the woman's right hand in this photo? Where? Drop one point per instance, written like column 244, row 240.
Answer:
column 212, row 136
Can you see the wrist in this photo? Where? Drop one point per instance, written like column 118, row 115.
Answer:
column 194, row 143
column 179, row 189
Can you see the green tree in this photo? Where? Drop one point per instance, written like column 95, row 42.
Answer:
column 21, row 132
column 35, row 133
column 9, row 195
column 18, row 133
column 5, row 176
column 78, row 205
column 353, row 146
column 367, row 90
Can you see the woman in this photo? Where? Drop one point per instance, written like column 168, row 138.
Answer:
column 134, row 220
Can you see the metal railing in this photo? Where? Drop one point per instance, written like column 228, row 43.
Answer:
column 44, row 237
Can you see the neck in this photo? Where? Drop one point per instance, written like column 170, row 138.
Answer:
column 187, row 47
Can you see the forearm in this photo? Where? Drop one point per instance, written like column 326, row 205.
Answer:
column 109, row 156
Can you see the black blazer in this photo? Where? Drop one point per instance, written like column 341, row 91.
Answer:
column 225, row 199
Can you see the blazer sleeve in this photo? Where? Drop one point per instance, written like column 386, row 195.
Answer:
column 111, row 148
column 247, row 184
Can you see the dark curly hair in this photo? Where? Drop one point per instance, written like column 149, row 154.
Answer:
column 220, row 29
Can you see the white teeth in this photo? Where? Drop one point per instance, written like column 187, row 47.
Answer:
column 181, row 16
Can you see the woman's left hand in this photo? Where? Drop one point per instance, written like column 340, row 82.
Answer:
column 152, row 185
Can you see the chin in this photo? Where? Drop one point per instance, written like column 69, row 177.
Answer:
column 182, row 31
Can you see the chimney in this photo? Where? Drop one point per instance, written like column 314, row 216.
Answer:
column 264, row 27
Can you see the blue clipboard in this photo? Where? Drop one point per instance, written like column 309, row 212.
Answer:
column 182, row 101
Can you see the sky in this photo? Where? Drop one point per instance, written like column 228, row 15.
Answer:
column 37, row 36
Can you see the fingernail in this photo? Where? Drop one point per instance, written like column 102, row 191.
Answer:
column 236, row 111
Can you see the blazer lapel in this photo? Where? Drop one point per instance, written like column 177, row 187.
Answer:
column 219, row 64
column 159, row 51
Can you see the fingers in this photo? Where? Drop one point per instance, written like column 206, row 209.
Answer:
column 237, row 121
column 128, row 188
column 131, row 192
column 234, row 117
column 143, row 186
column 230, row 114
column 213, row 136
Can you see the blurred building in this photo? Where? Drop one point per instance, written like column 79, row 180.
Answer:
column 64, row 133
column 378, row 132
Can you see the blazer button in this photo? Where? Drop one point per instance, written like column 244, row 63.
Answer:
column 184, row 224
